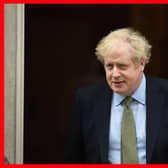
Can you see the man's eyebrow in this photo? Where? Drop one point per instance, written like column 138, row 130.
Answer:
column 109, row 64
column 122, row 64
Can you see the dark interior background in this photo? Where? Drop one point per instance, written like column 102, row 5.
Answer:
column 59, row 57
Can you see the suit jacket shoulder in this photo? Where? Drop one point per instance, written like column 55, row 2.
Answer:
column 94, row 91
column 159, row 84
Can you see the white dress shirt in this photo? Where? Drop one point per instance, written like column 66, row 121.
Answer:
column 138, row 106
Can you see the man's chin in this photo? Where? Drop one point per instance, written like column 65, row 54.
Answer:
column 119, row 91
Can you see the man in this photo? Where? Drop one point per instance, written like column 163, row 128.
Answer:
column 105, row 128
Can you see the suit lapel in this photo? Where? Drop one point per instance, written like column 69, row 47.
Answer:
column 102, row 111
column 154, row 101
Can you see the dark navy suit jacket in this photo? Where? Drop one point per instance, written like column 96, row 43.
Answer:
column 88, row 134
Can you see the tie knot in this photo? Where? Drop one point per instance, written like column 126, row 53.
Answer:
column 127, row 101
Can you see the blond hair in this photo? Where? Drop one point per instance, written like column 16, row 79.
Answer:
column 139, row 45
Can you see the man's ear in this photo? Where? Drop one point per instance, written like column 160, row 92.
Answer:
column 142, row 64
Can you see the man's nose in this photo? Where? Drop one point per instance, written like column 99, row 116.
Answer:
column 115, row 72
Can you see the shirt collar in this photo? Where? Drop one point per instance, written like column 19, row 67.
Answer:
column 117, row 99
column 138, row 95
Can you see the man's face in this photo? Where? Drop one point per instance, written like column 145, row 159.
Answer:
column 122, row 74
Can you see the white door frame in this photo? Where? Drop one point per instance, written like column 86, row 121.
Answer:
column 14, row 82
column 20, row 84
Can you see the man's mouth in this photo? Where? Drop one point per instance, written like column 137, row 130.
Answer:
column 117, row 82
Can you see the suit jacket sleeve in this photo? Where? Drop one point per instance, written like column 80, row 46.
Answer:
column 73, row 141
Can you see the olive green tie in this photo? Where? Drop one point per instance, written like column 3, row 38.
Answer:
column 128, row 135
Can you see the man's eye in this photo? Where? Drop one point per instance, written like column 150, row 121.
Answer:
column 109, row 66
column 123, row 67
